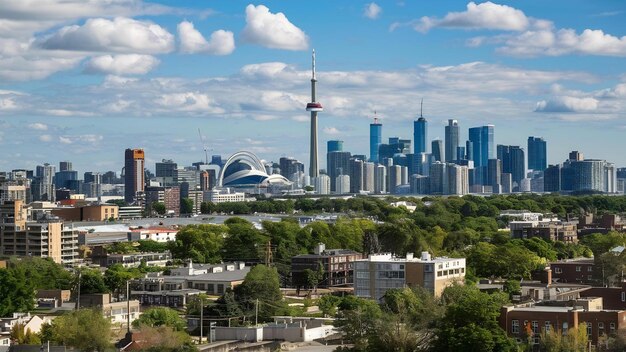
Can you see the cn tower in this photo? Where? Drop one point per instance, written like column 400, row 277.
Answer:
column 314, row 107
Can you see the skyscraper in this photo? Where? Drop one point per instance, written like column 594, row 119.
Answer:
column 314, row 107
column 513, row 162
column 419, row 133
column 134, row 163
column 452, row 140
column 537, row 154
column 334, row 146
column 65, row 166
column 338, row 163
column 482, row 149
column 376, row 135
column 437, row 150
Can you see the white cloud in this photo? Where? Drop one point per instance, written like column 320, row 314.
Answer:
column 193, row 102
column 123, row 64
column 486, row 15
column 372, row 11
column 552, row 42
column 272, row 30
column 118, row 35
column 191, row 41
column 333, row 131
column 33, row 67
column 38, row 126
column 568, row 104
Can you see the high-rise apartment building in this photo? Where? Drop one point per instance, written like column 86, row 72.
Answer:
column 376, row 139
column 342, row 184
column 65, row 166
column 134, row 178
column 356, row 175
column 369, row 177
column 322, row 184
column 380, row 179
column 537, row 154
column 494, row 174
column 452, row 139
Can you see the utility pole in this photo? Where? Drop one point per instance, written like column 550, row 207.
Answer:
column 201, row 316
column 78, row 295
column 268, row 253
column 256, row 314
column 128, row 305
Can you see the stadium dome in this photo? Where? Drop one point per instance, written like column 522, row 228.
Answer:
column 244, row 169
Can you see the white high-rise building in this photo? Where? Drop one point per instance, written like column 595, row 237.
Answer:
column 458, row 179
column 380, row 179
column 369, row 177
column 342, row 184
column 322, row 184
column 395, row 177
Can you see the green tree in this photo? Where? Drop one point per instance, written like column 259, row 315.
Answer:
column 207, row 207
column 92, row 281
column 115, row 278
column 161, row 316
column 358, row 319
column 576, row 340
column 83, row 329
column 152, row 246
column 186, row 206
column 261, row 285
column 470, row 322
column 165, row 339
column 17, row 293
column 200, row 243
column 158, row 208
column 244, row 241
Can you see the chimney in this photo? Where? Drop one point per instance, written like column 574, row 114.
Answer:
column 320, row 248
column 548, row 275
column 426, row 256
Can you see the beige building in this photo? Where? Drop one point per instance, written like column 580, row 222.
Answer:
column 117, row 312
column 88, row 212
column 54, row 240
column 381, row 272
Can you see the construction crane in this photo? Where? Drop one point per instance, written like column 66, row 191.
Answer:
column 206, row 153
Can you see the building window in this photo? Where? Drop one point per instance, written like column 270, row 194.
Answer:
column 535, row 327
column 589, row 268
column 565, row 326
column 515, row 326
column 548, row 326
column 612, row 327
column 623, row 296
column 589, row 328
column 557, row 270
column 600, row 328
column 578, row 268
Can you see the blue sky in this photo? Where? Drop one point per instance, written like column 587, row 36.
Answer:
column 83, row 80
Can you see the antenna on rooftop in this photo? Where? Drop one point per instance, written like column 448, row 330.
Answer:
column 421, row 107
column 206, row 154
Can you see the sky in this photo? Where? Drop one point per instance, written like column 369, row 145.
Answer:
column 82, row 80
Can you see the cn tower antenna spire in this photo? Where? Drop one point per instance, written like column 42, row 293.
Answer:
column 314, row 107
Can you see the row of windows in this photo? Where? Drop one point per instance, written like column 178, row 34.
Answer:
column 450, row 272
column 534, row 326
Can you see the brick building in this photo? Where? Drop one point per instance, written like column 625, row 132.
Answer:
column 337, row 264
column 580, row 270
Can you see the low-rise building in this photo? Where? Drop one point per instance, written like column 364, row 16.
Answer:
column 158, row 234
column 224, row 195
column 174, row 290
column 117, row 312
column 516, row 320
column 100, row 212
column 380, row 272
column 547, row 230
column 612, row 297
column 579, row 270
column 55, row 240
column 337, row 266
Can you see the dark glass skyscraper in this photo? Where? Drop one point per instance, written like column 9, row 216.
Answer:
column 481, row 149
column 437, row 150
column 537, row 154
column 338, row 163
column 452, row 140
column 513, row 162
column 376, row 139
column 419, row 135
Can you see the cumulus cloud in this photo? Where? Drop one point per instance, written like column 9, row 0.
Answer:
column 193, row 102
column 45, row 138
column 123, row 64
column 568, row 104
column 272, row 30
column 486, row 15
column 372, row 11
column 118, row 35
column 553, row 42
column 25, row 68
column 191, row 41
column 38, row 126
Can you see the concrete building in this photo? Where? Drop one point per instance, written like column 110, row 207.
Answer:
column 395, row 178
column 12, row 191
column 134, row 178
column 380, row 179
column 55, row 240
column 337, row 264
column 452, row 139
column 117, row 312
column 342, row 184
column 157, row 234
column 380, row 272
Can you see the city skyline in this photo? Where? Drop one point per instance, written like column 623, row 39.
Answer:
column 71, row 89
